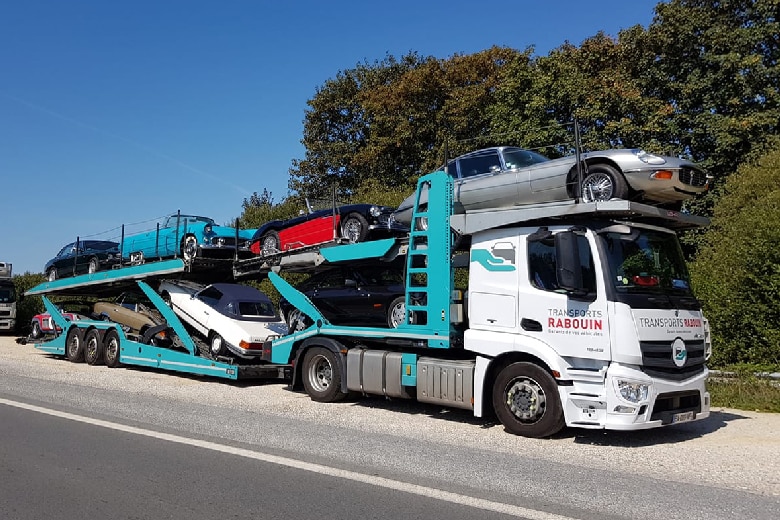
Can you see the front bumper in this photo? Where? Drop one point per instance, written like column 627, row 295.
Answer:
column 683, row 184
column 591, row 404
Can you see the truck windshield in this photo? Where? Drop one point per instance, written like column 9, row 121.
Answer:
column 646, row 261
column 7, row 295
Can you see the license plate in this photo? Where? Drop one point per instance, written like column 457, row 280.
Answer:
column 683, row 417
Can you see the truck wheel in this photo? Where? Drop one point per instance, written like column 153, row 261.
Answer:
column 93, row 347
column 111, row 349
column 217, row 345
column 354, row 228
column 74, row 345
column 526, row 401
column 603, row 182
column 396, row 312
column 322, row 375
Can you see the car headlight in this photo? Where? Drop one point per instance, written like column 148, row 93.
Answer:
column 632, row 391
column 649, row 158
column 374, row 211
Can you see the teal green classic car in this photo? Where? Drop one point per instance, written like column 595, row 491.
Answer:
column 188, row 237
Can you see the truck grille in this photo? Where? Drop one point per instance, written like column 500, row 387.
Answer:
column 666, row 405
column 5, row 313
column 657, row 360
column 227, row 242
column 693, row 176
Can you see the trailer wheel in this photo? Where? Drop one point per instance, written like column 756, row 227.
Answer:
column 217, row 345
column 74, row 345
column 111, row 349
column 526, row 401
column 93, row 347
column 322, row 375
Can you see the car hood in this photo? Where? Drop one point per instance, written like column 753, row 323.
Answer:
column 224, row 231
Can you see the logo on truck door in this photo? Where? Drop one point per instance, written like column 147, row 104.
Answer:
column 501, row 257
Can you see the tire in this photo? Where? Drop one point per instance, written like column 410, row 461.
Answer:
column 36, row 331
column 52, row 274
column 603, row 182
column 74, row 345
column 322, row 375
column 93, row 266
column 297, row 321
column 93, row 347
column 217, row 346
column 354, row 228
column 526, row 401
column 269, row 243
column 396, row 312
column 111, row 348
column 189, row 248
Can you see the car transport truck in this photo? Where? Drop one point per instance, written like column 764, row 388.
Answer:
column 545, row 315
column 574, row 314
column 7, row 298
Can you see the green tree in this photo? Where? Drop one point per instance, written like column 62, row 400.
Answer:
column 28, row 306
column 737, row 272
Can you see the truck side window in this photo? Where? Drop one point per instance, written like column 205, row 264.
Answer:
column 542, row 265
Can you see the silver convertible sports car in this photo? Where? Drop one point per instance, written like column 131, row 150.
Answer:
column 506, row 176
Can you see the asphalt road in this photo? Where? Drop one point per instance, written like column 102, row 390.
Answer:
column 81, row 441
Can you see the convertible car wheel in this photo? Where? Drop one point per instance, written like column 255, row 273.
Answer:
column 36, row 330
column 354, row 228
column 93, row 266
column 269, row 243
column 189, row 248
column 396, row 313
column 603, row 182
column 52, row 274
column 218, row 345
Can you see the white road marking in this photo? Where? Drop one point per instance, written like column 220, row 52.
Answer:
column 454, row 498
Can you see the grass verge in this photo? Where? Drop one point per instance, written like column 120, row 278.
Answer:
column 745, row 391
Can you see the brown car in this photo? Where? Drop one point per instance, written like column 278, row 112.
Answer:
column 130, row 310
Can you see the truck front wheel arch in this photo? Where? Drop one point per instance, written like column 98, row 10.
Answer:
column 526, row 400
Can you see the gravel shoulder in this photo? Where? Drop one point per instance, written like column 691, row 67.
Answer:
column 732, row 449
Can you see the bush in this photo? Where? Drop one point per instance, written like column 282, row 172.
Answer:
column 737, row 271
column 29, row 306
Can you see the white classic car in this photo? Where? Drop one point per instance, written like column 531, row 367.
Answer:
column 235, row 319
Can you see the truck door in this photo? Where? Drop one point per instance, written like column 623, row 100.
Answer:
column 573, row 324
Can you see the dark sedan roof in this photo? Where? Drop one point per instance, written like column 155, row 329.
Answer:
column 231, row 291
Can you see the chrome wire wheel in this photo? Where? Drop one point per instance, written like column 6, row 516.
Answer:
column 597, row 187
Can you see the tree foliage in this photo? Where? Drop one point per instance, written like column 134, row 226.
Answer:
column 737, row 273
column 27, row 306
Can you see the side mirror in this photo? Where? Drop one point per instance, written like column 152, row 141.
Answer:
column 567, row 259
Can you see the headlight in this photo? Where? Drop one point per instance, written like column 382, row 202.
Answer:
column 649, row 158
column 632, row 391
column 374, row 211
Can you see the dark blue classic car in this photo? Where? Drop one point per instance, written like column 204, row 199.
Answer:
column 187, row 236
column 84, row 256
column 351, row 223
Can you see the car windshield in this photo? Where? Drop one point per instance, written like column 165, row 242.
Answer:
column 100, row 245
column 646, row 261
column 519, row 158
column 186, row 219
column 256, row 309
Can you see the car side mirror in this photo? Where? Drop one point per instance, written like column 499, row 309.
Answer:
column 567, row 260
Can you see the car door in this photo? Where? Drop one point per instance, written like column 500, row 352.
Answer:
column 333, row 293
column 373, row 293
column 202, row 308
column 63, row 262
column 482, row 183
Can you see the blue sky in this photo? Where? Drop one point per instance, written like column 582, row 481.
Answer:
column 121, row 112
